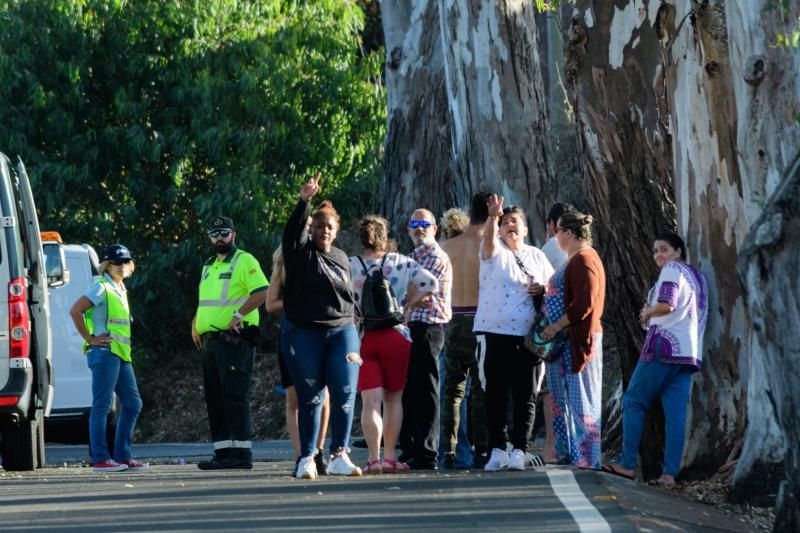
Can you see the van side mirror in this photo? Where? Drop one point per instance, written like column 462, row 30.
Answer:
column 55, row 265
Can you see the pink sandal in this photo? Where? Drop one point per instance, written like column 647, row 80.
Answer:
column 393, row 466
column 373, row 467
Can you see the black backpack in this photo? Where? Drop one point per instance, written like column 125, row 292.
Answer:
column 379, row 307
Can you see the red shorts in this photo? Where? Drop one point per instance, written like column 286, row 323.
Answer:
column 385, row 354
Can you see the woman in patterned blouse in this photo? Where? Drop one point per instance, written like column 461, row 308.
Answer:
column 675, row 317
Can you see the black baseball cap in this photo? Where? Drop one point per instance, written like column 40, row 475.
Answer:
column 117, row 252
column 221, row 223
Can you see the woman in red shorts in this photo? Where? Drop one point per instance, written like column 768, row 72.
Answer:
column 386, row 344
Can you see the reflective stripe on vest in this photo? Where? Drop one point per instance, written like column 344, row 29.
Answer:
column 118, row 321
column 223, row 300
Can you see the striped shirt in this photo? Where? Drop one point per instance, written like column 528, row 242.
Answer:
column 435, row 260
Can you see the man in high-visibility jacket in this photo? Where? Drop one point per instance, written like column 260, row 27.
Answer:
column 232, row 287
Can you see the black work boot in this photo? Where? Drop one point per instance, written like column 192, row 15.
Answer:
column 240, row 459
column 218, row 462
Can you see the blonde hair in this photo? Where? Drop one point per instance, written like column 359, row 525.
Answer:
column 103, row 268
column 454, row 222
column 278, row 273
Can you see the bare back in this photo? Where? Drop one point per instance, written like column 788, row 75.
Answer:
column 463, row 252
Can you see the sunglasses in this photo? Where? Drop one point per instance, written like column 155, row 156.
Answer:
column 424, row 224
column 217, row 233
column 119, row 262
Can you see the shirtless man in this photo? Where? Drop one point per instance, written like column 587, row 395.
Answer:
column 460, row 343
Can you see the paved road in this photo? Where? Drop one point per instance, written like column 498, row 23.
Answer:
column 182, row 498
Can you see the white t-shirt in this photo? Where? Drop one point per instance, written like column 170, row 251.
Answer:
column 504, row 305
column 554, row 254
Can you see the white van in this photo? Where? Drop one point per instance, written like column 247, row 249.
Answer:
column 72, row 401
column 26, row 387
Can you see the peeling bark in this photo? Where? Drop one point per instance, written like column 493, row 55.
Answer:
column 498, row 106
column 615, row 84
column 417, row 158
column 768, row 265
column 766, row 83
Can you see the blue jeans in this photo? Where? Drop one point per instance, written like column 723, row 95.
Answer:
column 317, row 357
column 111, row 374
column 463, row 448
column 670, row 382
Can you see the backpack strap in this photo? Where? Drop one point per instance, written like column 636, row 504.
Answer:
column 363, row 264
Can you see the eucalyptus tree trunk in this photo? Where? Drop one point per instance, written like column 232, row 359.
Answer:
column 417, row 159
column 769, row 262
column 497, row 102
column 615, row 82
column 766, row 82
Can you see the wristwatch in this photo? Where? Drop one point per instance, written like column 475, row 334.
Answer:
column 238, row 315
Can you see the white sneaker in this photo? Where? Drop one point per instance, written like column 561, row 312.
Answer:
column 341, row 465
column 306, row 468
column 517, row 460
column 498, row 460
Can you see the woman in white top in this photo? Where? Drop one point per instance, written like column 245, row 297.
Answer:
column 512, row 273
column 386, row 344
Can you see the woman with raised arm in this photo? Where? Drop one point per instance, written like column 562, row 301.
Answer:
column 675, row 317
column 319, row 339
column 574, row 302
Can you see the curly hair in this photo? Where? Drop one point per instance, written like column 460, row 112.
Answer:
column 374, row 233
column 454, row 222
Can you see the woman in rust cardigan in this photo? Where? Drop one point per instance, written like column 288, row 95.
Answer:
column 574, row 302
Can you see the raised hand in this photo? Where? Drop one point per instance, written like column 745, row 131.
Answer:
column 311, row 188
column 495, row 205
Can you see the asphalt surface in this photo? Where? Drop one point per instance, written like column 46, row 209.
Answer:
column 172, row 496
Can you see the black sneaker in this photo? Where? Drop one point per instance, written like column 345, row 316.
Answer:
column 321, row 460
column 405, row 457
column 359, row 443
column 423, row 464
column 449, row 461
column 479, row 460
column 240, row 459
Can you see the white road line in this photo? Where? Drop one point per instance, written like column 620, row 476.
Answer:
column 566, row 488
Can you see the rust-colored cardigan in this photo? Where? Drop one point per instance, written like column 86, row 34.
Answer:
column 584, row 299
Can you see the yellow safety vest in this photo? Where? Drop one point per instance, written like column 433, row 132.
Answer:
column 219, row 298
column 118, row 322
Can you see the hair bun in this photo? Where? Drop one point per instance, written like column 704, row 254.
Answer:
column 587, row 220
column 326, row 204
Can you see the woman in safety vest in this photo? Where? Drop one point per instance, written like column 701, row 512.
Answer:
column 103, row 319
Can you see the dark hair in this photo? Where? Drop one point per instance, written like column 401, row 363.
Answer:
column 578, row 223
column 326, row 209
column 514, row 210
column 557, row 210
column 674, row 240
column 374, row 232
column 479, row 211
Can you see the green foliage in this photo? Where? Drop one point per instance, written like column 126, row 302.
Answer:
column 139, row 121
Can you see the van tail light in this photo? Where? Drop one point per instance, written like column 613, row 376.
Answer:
column 18, row 319
column 8, row 400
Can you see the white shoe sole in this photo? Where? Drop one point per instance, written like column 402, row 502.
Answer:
column 307, row 475
column 355, row 473
column 518, row 468
column 106, row 470
column 487, row 469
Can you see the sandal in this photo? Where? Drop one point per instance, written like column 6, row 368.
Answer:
column 373, row 467
column 661, row 483
column 612, row 469
column 393, row 466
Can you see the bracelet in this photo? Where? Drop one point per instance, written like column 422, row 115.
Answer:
column 237, row 314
